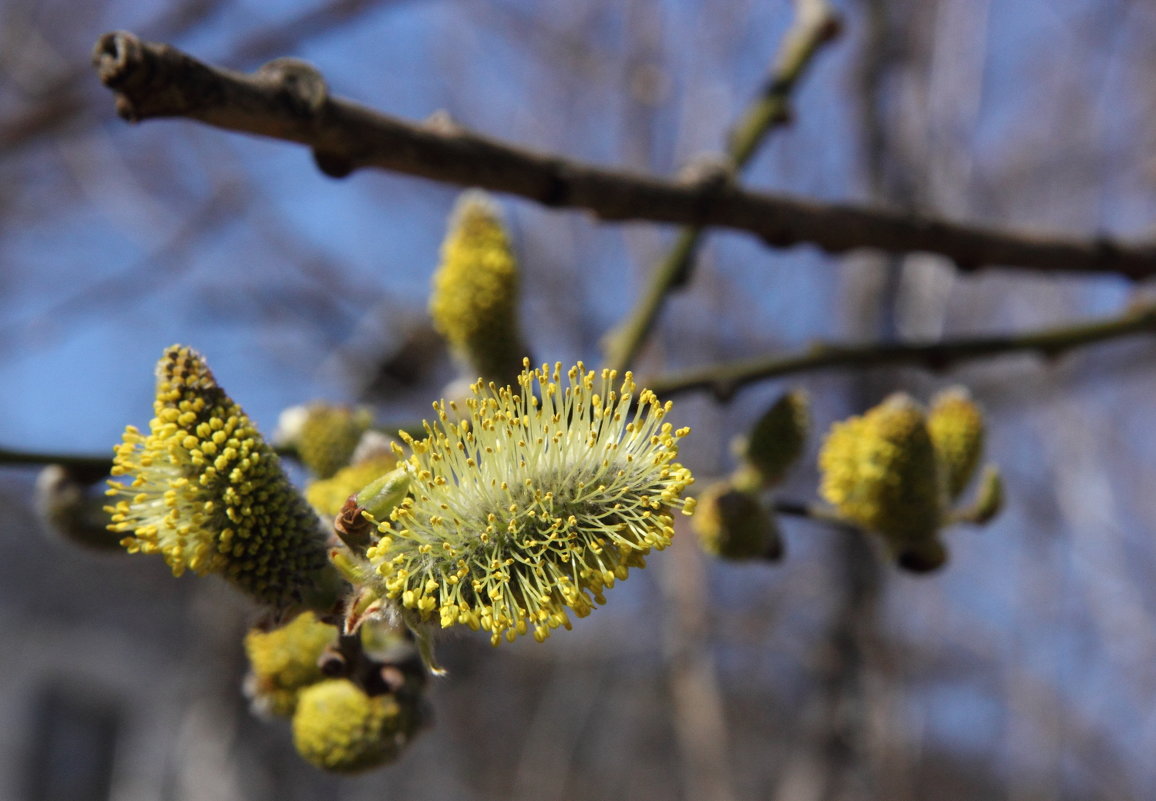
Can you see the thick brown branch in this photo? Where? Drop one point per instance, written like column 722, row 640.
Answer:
column 287, row 100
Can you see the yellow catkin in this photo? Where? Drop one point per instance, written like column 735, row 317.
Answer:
column 474, row 303
column 880, row 471
column 283, row 662
column 531, row 501
column 338, row 728
column 329, row 435
column 204, row 491
column 956, row 425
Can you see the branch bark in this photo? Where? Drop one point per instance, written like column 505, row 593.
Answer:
column 723, row 380
column 287, row 99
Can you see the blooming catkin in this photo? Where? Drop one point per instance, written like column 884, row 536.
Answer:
column 337, row 727
column 531, row 501
column 474, row 304
column 203, row 490
column 284, row 661
column 880, row 471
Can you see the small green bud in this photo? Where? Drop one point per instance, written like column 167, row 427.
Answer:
column 775, row 442
column 733, row 524
column 989, row 499
column 328, row 495
column 380, row 496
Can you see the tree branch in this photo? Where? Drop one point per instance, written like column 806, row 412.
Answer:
column 288, row 100
column 91, row 467
column 816, row 23
column 723, row 380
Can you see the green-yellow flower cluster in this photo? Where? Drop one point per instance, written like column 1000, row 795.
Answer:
column 774, row 443
column 203, row 490
column 531, row 501
column 328, row 435
column 474, row 304
column 897, row 470
column 956, row 426
column 733, row 519
column 284, row 661
column 733, row 523
column 339, row 728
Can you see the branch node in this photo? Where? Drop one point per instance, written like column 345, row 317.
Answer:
column 556, row 191
column 781, row 237
column 709, row 175
column 442, row 123
column 724, row 390
column 300, row 84
column 335, row 165
column 831, row 28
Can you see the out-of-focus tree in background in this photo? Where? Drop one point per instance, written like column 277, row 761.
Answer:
column 1024, row 670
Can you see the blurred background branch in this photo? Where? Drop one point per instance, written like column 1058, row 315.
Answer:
column 724, row 379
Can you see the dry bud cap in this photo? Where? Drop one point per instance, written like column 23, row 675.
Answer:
column 203, row 490
column 474, row 304
column 880, row 471
column 531, row 501
column 733, row 524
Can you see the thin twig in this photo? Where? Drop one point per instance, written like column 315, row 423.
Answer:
column 811, row 511
column 288, row 100
column 816, row 23
column 95, row 465
column 98, row 466
column 723, row 380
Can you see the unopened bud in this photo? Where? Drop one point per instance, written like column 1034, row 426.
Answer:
column 775, row 442
column 733, row 524
column 955, row 423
